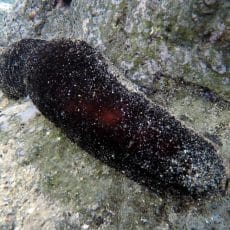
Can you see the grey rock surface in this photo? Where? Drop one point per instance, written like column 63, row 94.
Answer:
column 5, row 8
column 177, row 53
column 181, row 39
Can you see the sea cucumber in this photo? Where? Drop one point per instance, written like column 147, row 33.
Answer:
column 71, row 84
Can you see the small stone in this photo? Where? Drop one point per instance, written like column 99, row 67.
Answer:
column 4, row 103
column 30, row 210
column 85, row 226
column 20, row 152
column 32, row 15
column 144, row 220
column 221, row 69
column 210, row 2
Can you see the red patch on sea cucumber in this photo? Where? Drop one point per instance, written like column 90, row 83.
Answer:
column 110, row 117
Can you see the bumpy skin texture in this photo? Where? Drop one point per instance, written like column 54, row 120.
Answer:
column 12, row 69
column 70, row 84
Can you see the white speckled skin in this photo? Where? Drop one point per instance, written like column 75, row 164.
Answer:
column 70, row 84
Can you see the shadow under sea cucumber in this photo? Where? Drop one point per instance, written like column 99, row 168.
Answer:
column 71, row 85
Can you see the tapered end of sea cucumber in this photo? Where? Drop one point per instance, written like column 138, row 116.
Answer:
column 205, row 175
column 197, row 169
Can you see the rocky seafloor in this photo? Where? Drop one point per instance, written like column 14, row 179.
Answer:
column 174, row 51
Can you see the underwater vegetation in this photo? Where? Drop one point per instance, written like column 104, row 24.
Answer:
column 70, row 83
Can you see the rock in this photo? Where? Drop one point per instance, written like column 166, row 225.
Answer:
column 138, row 33
column 4, row 9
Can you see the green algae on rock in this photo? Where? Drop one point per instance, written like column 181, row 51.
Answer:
column 71, row 85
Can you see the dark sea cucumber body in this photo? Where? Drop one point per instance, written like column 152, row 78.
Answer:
column 71, row 85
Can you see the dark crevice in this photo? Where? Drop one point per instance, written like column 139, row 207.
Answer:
column 193, row 88
column 62, row 3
